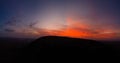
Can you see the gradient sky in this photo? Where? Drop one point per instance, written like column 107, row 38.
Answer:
column 91, row 19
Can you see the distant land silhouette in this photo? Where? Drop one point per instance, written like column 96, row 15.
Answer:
column 19, row 50
column 52, row 47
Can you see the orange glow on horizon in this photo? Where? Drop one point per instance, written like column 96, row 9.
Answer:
column 77, row 30
column 70, row 30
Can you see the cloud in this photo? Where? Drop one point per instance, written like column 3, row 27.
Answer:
column 12, row 22
column 9, row 30
column 32, row 24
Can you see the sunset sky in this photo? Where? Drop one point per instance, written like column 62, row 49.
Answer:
column 89, row 19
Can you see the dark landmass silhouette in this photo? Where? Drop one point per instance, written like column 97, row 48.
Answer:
column 52, row 47
column 14, row 50
column 10, row 48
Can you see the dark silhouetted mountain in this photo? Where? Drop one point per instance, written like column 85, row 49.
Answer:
column 52, row 47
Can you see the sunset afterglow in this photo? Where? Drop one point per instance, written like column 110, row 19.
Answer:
column 95, row 19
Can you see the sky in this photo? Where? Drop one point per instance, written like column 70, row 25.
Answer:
column 90, row 19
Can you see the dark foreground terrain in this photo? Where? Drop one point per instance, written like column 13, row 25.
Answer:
column 10, row 47
column 53, row 47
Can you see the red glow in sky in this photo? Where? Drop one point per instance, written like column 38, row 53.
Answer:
column 77, row 30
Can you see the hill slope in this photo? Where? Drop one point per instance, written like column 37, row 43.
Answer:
column 51, row 47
